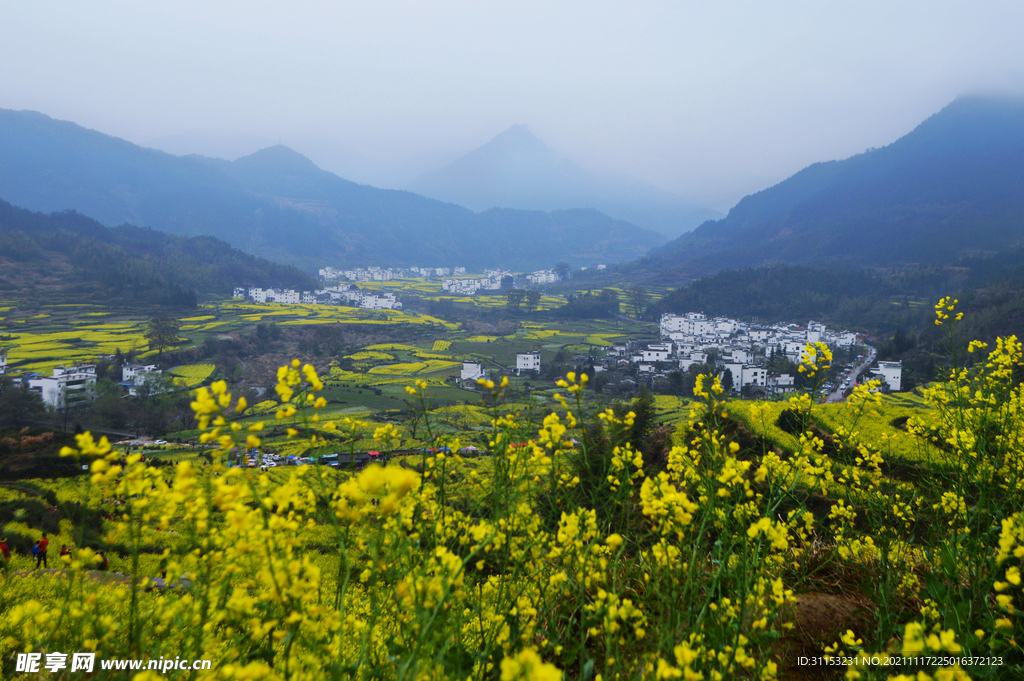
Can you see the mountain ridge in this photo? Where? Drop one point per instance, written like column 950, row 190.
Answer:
column 952, row 185
column 278, row 204
column 515, row 169
column 70, row 255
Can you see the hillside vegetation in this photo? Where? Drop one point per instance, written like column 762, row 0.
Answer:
column 952, row 186
column 883, row 528
column 46, row 258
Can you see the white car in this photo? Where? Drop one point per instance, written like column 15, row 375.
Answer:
column 160, row 442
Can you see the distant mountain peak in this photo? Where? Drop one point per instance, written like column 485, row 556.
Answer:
column 515, row 142
column 515, row 169
column 278, row 157
column 277, row 203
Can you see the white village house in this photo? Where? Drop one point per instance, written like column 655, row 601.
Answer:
column 527, row 361
column 135, row 376
column 67, row 387
column 471, row 371
column 891, row 373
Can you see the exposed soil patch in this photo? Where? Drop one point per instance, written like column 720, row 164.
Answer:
column 819, row 620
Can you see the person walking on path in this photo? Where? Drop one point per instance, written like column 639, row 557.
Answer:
column 5, row 554
column 41, row 557
column 35, row 552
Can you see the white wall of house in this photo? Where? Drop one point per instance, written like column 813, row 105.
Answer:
column 527, row 361
column 471, row 371
column 67, row 385
column 753, row 375
column 892, row 372
column 129, row 372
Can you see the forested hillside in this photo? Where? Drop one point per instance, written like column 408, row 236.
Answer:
column 69, row 255
column 953, row 186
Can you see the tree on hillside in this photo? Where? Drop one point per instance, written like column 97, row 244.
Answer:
column 562, row 269
column 637, row 298
column 162, row 332
column 19, row 406
column 515, row 297
column 532, row 300
column 727, row 381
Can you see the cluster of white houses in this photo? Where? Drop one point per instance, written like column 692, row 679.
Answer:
column 743, row 348
column 453, row 279
column 382, row 274
column 491, row 281
column 737, row 347
column 332, row 295
column 71, row 386
column 496, row 279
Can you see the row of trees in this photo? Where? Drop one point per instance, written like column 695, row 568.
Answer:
column 517, row 297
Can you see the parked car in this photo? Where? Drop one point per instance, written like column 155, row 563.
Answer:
column 160, row 442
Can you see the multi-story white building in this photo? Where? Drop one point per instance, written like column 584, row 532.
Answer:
column 815, row 332
column 527, row 361
column 781, row 383
column 736, row 368
column 380, row 301
column 136, row 376
column 892, row 373
column 471, row 371
column 656, row 352
column 846, row 339
column 753, row 375
column 67, row 387
column 689, row 324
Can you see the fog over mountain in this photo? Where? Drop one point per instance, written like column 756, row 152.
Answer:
column 952, row 187
column 276, row 203
column 517, row 170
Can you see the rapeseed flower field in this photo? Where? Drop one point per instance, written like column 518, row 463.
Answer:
column 568, row 556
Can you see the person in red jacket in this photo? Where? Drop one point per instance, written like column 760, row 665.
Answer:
column 41, row 558
column 5, row 554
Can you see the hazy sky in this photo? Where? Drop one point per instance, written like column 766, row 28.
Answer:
column 711, row 100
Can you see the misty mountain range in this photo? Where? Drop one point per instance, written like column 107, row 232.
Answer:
column 277, row 204
column 517, row 170
column 951, row 188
